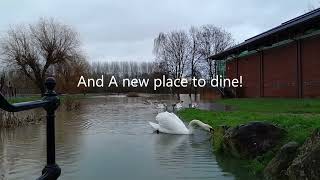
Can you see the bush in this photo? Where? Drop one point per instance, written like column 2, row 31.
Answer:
column 70, row 103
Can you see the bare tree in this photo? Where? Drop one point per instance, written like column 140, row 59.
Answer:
column 125, row 69
column 195, row 56
column 171, row 50
column 68, row 74
column 36, row 48
column 212, row 41
column 134, row 69
column 146, row 67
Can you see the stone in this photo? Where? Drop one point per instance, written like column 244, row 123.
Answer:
column 276, row 168
column 307, row 163
column 252, row 139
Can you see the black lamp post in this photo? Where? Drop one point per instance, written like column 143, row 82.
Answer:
column 50, row 103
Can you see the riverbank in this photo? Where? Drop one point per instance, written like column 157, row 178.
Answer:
column 299, row 117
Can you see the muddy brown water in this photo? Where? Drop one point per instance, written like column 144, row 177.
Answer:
column 109, row 138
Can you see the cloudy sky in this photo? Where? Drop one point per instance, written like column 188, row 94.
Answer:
column 124, row 30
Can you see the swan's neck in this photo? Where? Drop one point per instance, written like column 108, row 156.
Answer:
column 196, row 123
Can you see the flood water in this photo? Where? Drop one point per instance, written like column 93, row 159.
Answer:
column 110, row 138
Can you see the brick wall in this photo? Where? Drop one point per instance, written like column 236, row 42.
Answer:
column 280, row 67
column 310, row 53
column 249, row 69
column 280, row 71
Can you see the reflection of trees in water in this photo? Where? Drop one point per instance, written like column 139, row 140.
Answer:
column 18, row 119
column 235, row 166
column 68, row 140
column 21, row 152
column 23, row 149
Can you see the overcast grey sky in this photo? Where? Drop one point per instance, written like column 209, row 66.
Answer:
column 124, row 30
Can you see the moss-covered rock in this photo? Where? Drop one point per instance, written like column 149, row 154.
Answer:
column 252, row 139
column 307, row 163
column 276, row 168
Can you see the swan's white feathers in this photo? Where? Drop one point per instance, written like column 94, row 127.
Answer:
column 170, row 123
column 178, row 106
column 154, row 125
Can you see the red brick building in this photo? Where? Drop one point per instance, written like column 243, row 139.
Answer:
column 281, row 62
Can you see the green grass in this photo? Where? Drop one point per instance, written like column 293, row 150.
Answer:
column 23, row 99
column 299, row 117
column 296, row 106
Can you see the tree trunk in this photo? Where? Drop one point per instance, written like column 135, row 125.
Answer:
column 178, row 93
column 42, row 88
column 40, row 84
column 195, row 94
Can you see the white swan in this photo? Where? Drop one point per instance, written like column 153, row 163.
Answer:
column 178, row 106
column 162, row 106
column 171, row 124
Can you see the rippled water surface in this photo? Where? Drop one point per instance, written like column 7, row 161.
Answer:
column 109, row 138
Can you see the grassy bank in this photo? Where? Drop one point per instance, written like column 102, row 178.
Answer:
column 299, row 117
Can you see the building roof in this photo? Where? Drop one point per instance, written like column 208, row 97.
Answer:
column 286, row 30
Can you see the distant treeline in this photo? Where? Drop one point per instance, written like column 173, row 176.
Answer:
column 30, row 53
column 123, row 70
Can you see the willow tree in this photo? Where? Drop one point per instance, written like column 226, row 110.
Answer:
column 36, row 48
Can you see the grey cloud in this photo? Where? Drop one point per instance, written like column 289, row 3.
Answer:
column 118, row 29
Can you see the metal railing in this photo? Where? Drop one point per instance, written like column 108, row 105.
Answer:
column 50, row 103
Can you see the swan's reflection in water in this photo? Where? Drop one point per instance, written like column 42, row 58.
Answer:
column 182, row 154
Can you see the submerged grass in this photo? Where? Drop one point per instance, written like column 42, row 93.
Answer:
column 299, row 117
